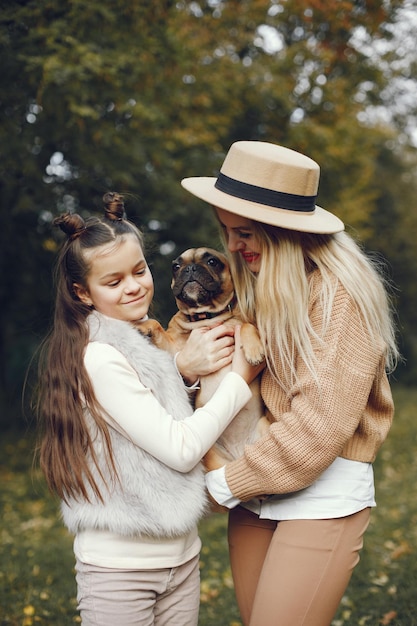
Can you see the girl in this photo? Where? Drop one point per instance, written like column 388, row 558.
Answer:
column 121, row 445
column 324, row 318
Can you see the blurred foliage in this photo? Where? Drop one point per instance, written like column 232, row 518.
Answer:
column 134, row 96
column 37, row 581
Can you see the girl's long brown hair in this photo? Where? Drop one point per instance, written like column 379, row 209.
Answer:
column 65, row 392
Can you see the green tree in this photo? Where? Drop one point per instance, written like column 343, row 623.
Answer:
column 133, row 96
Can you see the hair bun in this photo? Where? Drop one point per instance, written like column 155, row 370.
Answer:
column 71, row 224
column 114, row 208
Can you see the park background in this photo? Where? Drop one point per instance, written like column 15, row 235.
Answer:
column 132, row 96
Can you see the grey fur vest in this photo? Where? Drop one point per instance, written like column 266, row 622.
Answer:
column 150, row 498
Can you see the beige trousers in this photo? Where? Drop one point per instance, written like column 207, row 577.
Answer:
column 292, row 573
column 161, row 597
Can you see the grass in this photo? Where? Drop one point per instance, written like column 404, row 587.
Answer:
column 37, row 585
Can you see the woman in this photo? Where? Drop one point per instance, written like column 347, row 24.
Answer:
column 325, row 321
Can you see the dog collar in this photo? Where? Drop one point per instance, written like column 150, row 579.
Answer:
column 208, row 315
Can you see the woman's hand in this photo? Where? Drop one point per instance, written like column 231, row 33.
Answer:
column 239, row 363
column 206, row 351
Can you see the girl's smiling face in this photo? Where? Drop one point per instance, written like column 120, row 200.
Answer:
column 240, row 237
column 119, row 283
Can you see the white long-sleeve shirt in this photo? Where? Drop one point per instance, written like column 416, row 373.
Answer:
column 136, row 413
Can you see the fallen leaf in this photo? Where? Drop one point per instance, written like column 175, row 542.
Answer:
column 29, row 610
column 388, row 617
column 403, row 548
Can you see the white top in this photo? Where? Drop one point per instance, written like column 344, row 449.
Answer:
column 115, row 551
column 344, row 488
column 136, row 413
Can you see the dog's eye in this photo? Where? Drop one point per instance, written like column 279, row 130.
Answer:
column 175, row 267
column 213, row 261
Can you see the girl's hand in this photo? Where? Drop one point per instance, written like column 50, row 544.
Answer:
column 240, row 365
column 206, row 351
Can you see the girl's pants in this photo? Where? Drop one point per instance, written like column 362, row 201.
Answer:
column 292, row 573
column 161, row 597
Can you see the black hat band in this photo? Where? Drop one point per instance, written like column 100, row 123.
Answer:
column 260, row 195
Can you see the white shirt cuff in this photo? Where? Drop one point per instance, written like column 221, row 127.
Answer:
column 219, row 489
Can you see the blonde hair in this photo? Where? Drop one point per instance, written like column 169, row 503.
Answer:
column 277, row 299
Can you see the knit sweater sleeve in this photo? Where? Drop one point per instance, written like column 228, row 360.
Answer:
column 312, row 424
column 133, row 410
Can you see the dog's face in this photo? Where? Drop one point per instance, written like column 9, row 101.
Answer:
column 201, row 281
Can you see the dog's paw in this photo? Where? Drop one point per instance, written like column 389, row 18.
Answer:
column 254, row 357
column 251, row 343
column 149, row 328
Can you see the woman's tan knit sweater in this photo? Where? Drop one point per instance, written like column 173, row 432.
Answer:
column 346, row 413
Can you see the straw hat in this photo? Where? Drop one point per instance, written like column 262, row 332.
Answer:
column 269, row 184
